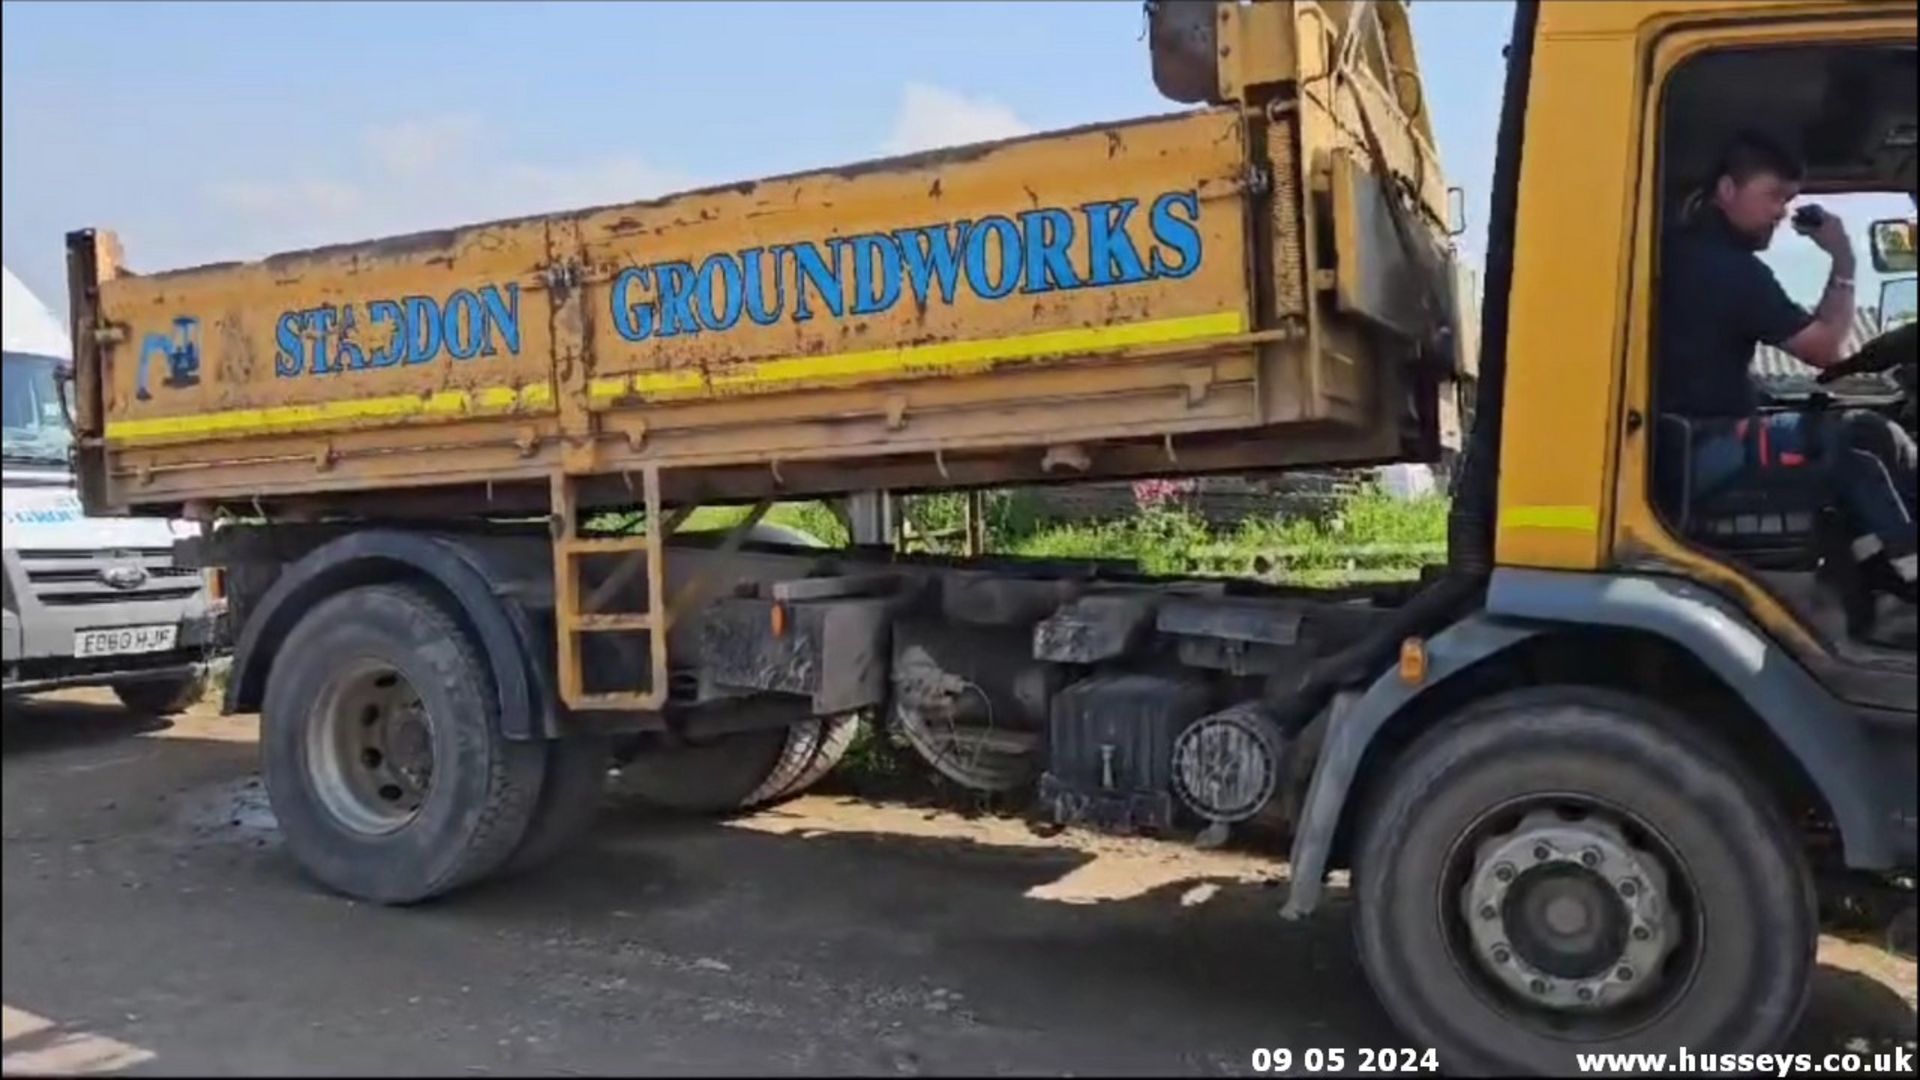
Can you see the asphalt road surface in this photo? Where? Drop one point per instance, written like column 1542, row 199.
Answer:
column 152, row 923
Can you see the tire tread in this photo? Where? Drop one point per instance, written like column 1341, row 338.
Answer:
column 1611, row 727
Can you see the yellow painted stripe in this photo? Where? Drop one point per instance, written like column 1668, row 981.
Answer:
column 441, row 404
column 1571, row 518
column 945, row 358
column 908, row 361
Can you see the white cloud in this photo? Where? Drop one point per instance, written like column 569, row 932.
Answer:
column 418, row 174
column 540, row 188
column 930, row 117
column 258, row 218
column 325, row 197
column 436, row 171
column 414, row 147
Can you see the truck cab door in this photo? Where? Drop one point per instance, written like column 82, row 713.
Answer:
column 1827, row 82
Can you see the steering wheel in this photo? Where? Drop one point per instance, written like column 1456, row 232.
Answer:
column 1889, row 350
column 1893, row 350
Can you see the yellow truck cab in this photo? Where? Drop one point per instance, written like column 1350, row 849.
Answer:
column 1585, row 776
column 1654, row 627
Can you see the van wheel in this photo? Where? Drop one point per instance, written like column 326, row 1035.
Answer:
column 1566, row 869
column 382, row 750
column 163, row 697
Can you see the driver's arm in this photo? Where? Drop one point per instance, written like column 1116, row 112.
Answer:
column 1765, row 313
column 1821, row 342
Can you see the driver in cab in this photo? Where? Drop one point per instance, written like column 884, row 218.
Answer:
column 1719, row 301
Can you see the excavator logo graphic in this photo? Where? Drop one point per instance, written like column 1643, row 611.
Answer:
column 180, row 351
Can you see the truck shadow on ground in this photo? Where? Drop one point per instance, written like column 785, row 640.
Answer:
column 1033, row 935
column 29, row 725
column 1848, row 1011
column 1024, row 929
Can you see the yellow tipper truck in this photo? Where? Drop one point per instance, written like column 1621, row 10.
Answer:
column 1586, row 775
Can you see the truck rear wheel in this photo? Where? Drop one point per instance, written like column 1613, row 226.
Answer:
column 836, row 738
column 705, row 778
column 741, row 771
column 382, row 750
column 813, row 748
column 163, row 697
column 570, row 797
column 1542, row 878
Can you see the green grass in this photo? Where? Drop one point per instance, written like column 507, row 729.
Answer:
column 1373, row 536
column 812, row 518
column 1160, row 541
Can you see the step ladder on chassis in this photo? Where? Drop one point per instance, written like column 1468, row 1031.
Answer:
column 644, row 553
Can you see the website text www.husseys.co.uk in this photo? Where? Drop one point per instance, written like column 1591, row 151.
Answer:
column 1898, row 1061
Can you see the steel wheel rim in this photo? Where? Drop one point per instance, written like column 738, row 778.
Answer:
column 1651, row 928
column 370, row 749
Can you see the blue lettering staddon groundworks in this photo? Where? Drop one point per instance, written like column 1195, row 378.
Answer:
column 1038, row 251
column 394, row 331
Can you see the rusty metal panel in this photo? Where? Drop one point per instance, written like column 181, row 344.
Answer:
column 1088, row 300
column 1287, row 224
column 430, row 327
column 1333, row 98
column 1070, row 245
column 1096, row 243
column 1377, row 275
column 1186, row 49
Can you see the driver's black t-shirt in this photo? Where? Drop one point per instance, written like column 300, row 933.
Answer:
column 1718, row 302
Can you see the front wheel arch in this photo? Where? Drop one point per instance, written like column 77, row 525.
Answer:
column 1483, row 655
column 437, row 565
column 1606, row 660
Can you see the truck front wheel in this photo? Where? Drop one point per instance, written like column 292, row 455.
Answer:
column 1564, row 869
column 382, row 750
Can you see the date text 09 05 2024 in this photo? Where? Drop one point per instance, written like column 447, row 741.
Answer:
column 1362, row 1060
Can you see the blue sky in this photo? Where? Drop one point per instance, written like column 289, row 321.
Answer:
column 226, row 130
column 214, row 131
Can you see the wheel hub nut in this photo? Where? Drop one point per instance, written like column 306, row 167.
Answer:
column 1570, row 915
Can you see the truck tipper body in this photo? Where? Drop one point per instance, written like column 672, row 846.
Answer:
column 448, row 478
column 1212, row 290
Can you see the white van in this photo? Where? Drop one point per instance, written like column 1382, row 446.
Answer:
column 88, row 601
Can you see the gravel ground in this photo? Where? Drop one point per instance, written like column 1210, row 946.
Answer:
column 153, row 923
